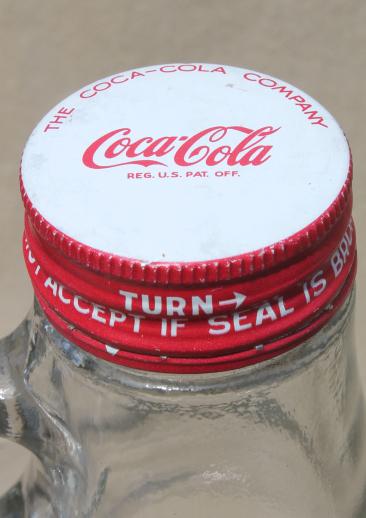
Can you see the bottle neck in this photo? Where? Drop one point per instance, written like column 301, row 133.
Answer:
column 273, row 371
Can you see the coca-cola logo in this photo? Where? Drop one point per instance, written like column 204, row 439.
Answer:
column 118, row 148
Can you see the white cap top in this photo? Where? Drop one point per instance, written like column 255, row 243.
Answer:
column 185, row 162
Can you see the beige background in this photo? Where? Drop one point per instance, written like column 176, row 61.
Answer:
column 49, row 48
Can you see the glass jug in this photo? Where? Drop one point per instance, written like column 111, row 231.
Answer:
column 190, row 351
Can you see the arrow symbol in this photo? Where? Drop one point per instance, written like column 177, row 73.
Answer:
column 237, row 300
column 111, row 350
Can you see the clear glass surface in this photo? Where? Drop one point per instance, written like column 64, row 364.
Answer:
column 280, row 439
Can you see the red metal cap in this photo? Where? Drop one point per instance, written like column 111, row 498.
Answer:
column 188, row 217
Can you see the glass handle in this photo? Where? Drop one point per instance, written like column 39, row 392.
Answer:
column 18, row 413
column 22, row 421
column 13, row 419
column 57, row 465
